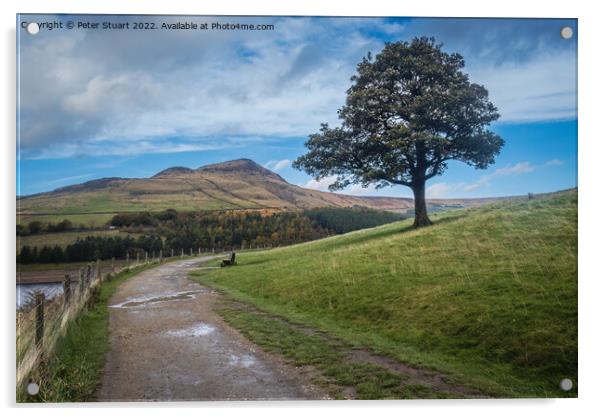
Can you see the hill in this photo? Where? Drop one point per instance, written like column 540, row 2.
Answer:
column 236, row 184
column 487, row 295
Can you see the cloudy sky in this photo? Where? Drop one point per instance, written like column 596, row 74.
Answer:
column 129, row 103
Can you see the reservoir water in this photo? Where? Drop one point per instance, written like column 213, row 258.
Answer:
column 26, row 290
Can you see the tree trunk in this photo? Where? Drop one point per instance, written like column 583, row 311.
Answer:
column 421, row 218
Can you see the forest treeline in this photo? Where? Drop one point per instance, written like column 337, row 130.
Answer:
column 171, row 230
column 39, row 227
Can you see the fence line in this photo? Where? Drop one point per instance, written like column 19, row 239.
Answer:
column 41, row 323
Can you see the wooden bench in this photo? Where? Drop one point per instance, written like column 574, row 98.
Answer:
column 229, row 262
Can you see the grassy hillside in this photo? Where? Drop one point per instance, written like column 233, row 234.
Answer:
column 233, row 185
column 237, row 184
column 487, row 295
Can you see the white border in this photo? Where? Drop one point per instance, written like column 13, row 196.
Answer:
column 589, row 189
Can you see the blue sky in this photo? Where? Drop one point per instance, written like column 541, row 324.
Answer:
column 96, row 104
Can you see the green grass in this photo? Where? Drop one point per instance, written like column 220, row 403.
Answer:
column 336, row 374
column 63, row 239
column 88, row 220
column 73, row 372
column 95, row 207
column 487, row 295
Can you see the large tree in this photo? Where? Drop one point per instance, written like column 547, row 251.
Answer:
column 409, row 110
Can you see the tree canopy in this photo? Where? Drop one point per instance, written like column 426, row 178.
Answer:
column 410, row 110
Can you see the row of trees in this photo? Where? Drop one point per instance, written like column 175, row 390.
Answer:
column 243, row 229
column 91, row 248
column 172, row 230
column 220, row 230
column 344, row 220
column 39, row 227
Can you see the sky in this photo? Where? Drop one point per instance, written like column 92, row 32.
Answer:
column 96, row 103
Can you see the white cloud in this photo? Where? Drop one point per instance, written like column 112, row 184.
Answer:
column 69, row 178
column 440, row 190
column 554, row 162
column 115, row 95
column 541, row 88
column 116, row 88
column 359, row 190
column 277, row 84
column 472, row 186
column 354, row 189
column 320, row 185
column 444, row 189
column 517, row 169
column 278, row 165
column 123, row 149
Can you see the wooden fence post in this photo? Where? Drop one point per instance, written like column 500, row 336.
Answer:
column 160, row 255
column 137, row 258
column 190, row 251
column 172, row 252
column 182, row 254
column 127, row 259
column 88, row 273
column 82, row 283
column 67, row 289
column 145, row 257
column 40, row 298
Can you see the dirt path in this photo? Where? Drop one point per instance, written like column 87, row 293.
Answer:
column 167, row 343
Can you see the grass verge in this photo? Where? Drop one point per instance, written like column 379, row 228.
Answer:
column 486, row 296
column 333, row 369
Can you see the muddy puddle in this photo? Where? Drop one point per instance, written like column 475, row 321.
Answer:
column 150, row 300
column 165, row 332
column 244, row 361
column 197, row 330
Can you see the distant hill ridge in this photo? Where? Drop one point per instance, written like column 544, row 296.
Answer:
column 176, row 170
column 239, row 166
column 234, row 184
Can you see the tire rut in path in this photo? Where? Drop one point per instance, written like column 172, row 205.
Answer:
column 167, row 343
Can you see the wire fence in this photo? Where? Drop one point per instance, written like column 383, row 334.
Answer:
column 41, row 321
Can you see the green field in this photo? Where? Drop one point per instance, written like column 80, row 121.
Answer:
column 65, row 238
column 87, row 220
column 488, row 296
